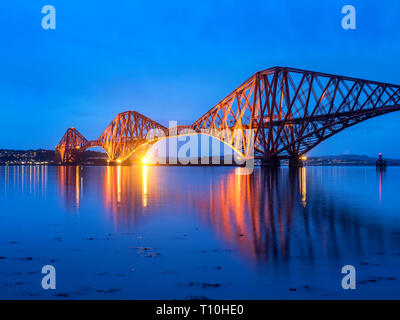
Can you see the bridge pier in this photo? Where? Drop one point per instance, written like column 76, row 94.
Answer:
column 270, row 163
column 296, row 162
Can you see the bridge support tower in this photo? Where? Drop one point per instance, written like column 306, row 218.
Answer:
column 296, row 162
column 270, row 163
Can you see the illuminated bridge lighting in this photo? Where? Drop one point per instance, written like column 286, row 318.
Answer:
column 282, row 112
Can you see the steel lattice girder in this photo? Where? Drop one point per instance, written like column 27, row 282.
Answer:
column 127, row 132
column 291, row 111
column 287, row 112
column 71, row 145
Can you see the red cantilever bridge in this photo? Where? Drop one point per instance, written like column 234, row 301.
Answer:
column 281, row 112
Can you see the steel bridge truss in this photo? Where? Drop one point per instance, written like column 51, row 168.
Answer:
column 277, row 113
column 290, row 111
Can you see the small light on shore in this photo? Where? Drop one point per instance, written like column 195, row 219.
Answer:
column 118, row 160
column 304, row 158
column 145, row 160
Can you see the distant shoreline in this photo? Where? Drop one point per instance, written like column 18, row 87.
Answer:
column 184, row 165
column 42, row 157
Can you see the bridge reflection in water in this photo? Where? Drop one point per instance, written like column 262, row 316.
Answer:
column 270, row 216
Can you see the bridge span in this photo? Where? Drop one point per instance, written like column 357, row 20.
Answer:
column 281, row 113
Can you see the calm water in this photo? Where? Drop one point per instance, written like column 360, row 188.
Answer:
column 195, row 232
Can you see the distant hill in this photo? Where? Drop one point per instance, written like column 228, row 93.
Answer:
column 348, row 160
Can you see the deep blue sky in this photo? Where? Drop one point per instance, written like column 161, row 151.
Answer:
column 173, row 60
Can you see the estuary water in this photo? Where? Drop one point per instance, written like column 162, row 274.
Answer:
column 150, row 232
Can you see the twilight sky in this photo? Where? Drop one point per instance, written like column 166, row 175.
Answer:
column 174, row 60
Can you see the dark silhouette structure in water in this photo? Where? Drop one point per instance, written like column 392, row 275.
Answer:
column 380, row 163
